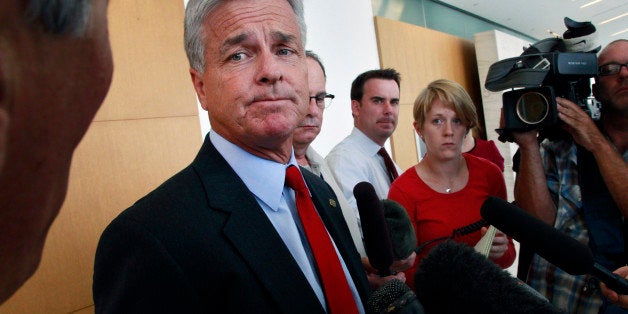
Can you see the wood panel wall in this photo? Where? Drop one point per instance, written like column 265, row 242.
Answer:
column 147, row 129
column 422, row 55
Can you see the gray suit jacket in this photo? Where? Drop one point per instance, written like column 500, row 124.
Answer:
column 201, row 243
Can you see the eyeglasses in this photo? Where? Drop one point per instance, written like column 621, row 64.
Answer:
column 323, row 100
column 610, row 69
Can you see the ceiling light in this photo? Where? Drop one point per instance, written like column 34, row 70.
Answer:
column 620, row 32
column 590, row 3
column 549, row 31
column 613, row 18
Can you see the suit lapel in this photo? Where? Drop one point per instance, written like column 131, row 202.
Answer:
column 252, row 234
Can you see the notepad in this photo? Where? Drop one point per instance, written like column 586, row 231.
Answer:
column 484, row 245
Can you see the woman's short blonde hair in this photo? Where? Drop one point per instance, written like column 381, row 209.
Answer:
column 453, row 95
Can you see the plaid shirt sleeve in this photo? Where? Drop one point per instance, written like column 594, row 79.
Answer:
column 574, row 294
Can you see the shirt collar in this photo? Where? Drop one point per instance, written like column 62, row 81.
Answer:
column 264, row 178
column 367, row 144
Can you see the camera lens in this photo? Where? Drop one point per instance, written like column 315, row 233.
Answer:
column 532, row 108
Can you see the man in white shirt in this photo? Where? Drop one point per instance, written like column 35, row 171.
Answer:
column 375, row 108
column 307, row 131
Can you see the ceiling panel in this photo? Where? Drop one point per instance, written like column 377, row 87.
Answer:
column 542, row 18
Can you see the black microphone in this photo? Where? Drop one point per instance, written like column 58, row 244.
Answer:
column 454, row 278
column 394, row 297
column 374, row 230
column 556, row 247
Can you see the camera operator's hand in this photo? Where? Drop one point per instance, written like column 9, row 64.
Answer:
column 609, row 158
column 615, row 298
column 579, row 124
column 526, row 139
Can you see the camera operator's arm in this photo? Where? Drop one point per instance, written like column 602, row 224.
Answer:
column 612, row 166
column 531, row 192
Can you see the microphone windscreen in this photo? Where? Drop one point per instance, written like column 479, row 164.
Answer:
column 580, row 36
column 402, row 236
column 454, row 278
column 393, row 297
column 557, row 248
column 376, row 237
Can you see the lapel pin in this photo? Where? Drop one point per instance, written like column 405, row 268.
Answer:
column 332, row 202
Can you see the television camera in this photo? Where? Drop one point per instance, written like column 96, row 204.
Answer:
column 547, row 69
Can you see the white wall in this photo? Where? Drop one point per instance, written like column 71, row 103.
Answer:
column 342, row 33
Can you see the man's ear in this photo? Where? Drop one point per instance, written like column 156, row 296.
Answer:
column 199, row 86
column 355, row 108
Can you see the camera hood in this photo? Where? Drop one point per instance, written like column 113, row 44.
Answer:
column 532, row 70
column 527, row 70
column 570, row 56
column 513, row 72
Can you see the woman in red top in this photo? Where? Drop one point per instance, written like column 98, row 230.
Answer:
column 443, row 193
column 473, row 145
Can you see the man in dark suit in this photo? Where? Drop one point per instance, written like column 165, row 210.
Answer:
column 225, row 234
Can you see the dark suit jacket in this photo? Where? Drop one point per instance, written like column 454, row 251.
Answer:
column 201, row 243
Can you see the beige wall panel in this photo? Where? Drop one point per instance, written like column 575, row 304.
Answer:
column 87, row 310
column 147, row 43
column 116, row 163
column 422, row 55
column 404, row 143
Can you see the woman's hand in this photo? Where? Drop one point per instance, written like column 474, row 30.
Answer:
column 499, row 246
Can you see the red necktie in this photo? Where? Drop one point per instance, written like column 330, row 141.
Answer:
column 334, row 281
column 390, row 165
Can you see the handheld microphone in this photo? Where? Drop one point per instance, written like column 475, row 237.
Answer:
column 454, row 278
column 376, row 237
column 557, row 248
column 394, row 297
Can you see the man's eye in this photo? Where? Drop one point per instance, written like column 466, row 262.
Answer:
column 237, row 56
column 285, row 52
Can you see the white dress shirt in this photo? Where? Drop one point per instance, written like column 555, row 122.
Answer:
column 355, row 160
